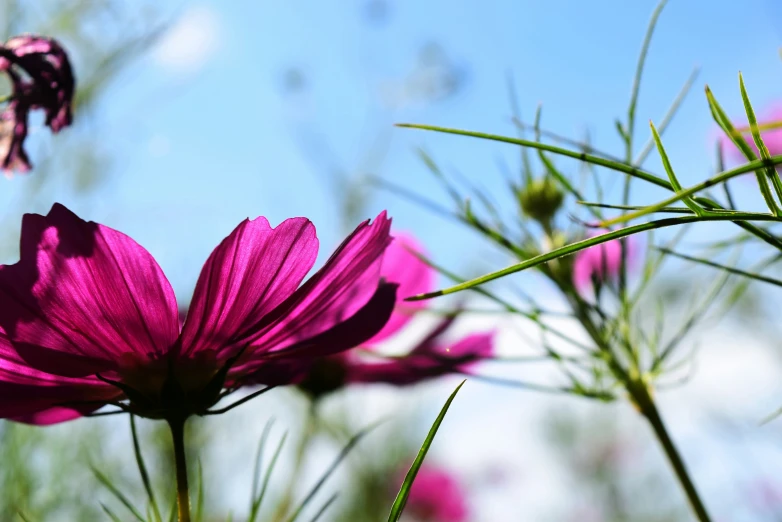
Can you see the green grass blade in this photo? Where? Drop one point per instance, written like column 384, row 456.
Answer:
column 103, row 479
column 142, row 468
column 322, row 480
column 404, row 490
column 113, row 516
column 258, row 500
column 198, row 512
column 325, row 507
column 257, row 468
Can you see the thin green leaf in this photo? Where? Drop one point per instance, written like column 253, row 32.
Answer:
column 674, row 108
column 665, row 210
column 342, row 454
column 771, row 173
column 254, row 494
column 103, row 479
column 726, row 268
column 142, row 468
column 110, row 513
column 582, row 156
column 671, row 174
column 325, row 507
column 588, row 242
column 404, row 490
column 721, row 118
column 198, row 512
column 614, row 165
column 267, row 477
column 680, row 195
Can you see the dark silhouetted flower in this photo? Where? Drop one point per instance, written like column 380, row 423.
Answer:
column 41, row 78
column 88, row 318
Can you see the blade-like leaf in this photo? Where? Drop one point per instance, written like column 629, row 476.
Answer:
column 342, row 454
column 404, row 490
column 113, row 516
column 142, row 468
column 258, row 500
column 721, row 118
column 677, row 187
column 771, row 173
column 103, row 479
column 677, row 102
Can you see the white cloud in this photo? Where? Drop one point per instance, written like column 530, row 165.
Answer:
column 190, row 42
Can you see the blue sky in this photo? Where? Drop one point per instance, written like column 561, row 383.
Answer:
column 204, row 135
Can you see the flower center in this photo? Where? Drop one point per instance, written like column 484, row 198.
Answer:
column 161, row 387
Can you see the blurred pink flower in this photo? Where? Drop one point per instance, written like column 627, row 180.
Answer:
column 601, row 262
column 436, row 496
column 88, row 317
column 430, row 357
column 772, row 137
column 47, row 83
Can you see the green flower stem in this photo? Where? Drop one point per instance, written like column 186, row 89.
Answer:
column 177, row 426
column 645, row 403
column 643, row 400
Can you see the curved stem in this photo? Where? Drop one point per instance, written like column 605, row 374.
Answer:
column 648, row 408
column 177, row 426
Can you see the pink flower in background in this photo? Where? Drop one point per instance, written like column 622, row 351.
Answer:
column 41, row 78
column 88, row 317
column 431, row 357
column 602, row 262
column 436, row 496
column 772, row 137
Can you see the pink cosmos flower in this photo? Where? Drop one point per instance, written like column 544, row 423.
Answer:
column 431, row 357
column 772, row 137
column 601, row 262
column 436, row 496
column 88, row 318
column 41, row 78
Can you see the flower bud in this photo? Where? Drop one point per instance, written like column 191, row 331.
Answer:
column 540, row 199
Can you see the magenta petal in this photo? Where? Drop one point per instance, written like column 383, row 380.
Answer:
column 51, row 416
column 288, row 366
column 431, row 358
column 602, row 262
column 82, row 296
column 352, row 331
column 249, row 274
column 437, row 495
column 413, row 277
column 31, row 396
column 335, row 293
